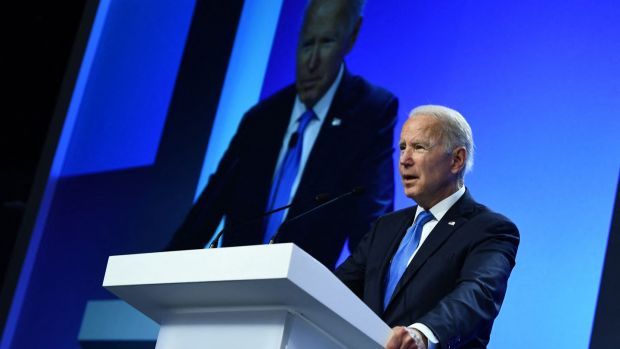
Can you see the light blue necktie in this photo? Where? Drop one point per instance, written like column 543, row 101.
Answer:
column 405, row 250
column 283, row 181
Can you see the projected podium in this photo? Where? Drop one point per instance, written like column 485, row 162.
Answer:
column 274, row 296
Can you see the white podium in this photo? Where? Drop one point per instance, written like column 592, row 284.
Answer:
column 274, row 296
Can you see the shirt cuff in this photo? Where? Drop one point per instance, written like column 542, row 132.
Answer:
column 432, row 340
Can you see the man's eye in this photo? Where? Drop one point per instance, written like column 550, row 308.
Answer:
column 419, row 148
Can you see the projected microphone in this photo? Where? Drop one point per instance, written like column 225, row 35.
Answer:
column 354, row 191
column 320, row 198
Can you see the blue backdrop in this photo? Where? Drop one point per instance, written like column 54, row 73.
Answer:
column 539, row 82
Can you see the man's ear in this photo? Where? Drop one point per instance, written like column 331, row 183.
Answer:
column 459, row 157
column 354, row 33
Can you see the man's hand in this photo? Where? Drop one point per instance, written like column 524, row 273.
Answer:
column 406, row 338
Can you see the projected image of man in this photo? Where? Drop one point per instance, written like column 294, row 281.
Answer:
column 329, row 132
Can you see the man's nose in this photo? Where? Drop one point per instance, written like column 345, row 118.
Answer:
column 314, row 59
column 405, row 157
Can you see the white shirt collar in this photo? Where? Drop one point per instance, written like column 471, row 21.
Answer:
column 322, row 106
column 440, row 209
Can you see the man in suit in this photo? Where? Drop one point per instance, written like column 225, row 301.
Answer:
column 436, row 272
column 345, row 142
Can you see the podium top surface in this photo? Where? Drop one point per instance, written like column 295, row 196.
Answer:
column 204, row 265
column 173, row 286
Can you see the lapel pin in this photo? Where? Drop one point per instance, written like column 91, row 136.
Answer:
column 336, row 122
column 451, row 222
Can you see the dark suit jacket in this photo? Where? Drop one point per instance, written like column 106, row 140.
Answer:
column 355, row 152
column 456, row 282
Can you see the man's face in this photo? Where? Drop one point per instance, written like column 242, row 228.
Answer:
column 427, row 171
column 323, row 43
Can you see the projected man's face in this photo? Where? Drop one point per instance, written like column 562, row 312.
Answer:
column 323, row 42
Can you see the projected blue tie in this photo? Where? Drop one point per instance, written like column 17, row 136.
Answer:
column 283, row 182
column 401, row 259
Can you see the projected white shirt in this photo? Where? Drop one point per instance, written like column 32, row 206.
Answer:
column 312, row 130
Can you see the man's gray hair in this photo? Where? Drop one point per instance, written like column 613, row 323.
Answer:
column 354, row 10
column 456, row 132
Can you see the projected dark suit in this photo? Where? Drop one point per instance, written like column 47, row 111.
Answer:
column 353, row 148
column 454, row 285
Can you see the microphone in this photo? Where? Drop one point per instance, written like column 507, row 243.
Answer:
column 355, row 191
column 320, row 198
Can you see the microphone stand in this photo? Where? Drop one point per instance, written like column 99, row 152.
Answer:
column 355, row 191
column 319, row 198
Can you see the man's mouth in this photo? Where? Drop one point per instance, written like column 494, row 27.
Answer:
column 407, row 178
column 309, row 83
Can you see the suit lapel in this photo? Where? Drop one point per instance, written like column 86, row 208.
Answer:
column 388, row 249
column 324, row 152
column 263, row 160
column 442, row 231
